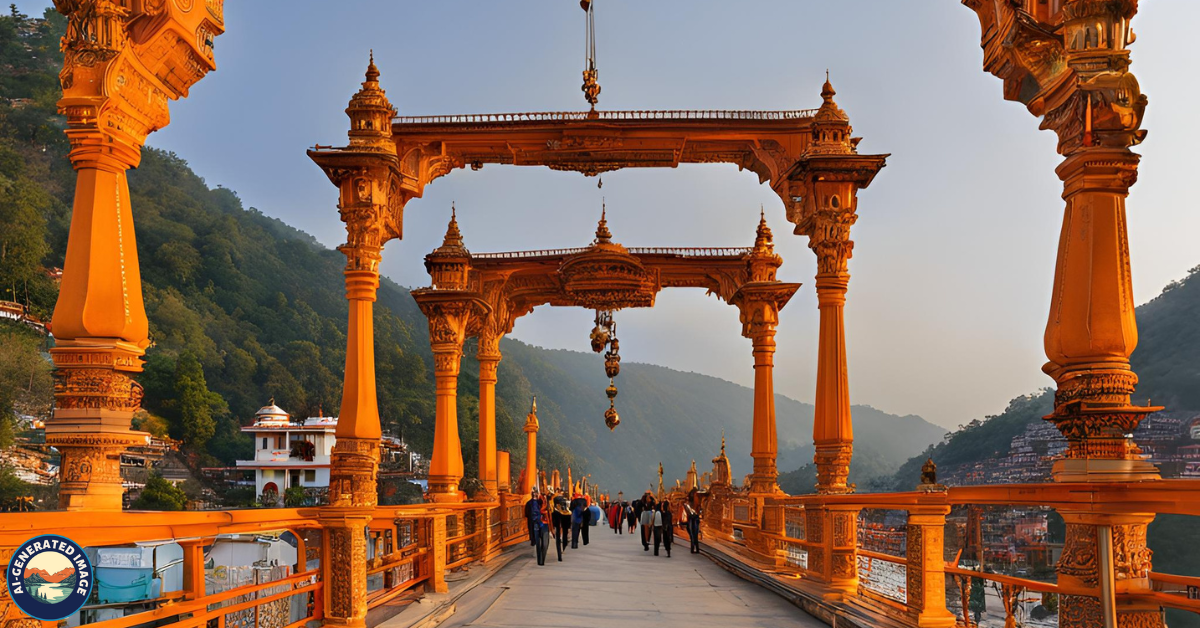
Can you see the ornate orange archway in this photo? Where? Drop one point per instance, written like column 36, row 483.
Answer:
column 483, row 295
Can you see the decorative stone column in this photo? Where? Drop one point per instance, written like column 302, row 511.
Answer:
column 488, row 355
column 1091, row 331
column 121, row 68
column 531, row 473
column 759, row 301
column 366, row 173
column 449, row 313
column 823, row 190
column 450, row 309
column 1071, row 69
column 531, row 430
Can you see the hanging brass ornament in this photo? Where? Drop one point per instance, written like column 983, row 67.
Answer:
column 612, row 359
column 611, row 418
column 602, row 331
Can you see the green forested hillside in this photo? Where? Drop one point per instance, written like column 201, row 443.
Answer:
column 243, row 308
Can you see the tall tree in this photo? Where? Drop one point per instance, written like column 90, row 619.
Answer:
column 195, row 404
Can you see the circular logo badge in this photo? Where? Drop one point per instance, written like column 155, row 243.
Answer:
column 49, row 577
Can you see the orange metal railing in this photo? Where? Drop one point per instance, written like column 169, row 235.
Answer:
column 400, row 557
column 775, row 536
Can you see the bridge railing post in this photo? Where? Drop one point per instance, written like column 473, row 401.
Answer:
column 926, row 569
column 438, row 552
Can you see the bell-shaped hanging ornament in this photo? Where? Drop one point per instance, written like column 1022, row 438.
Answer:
column 611, row 419
column 611, row 391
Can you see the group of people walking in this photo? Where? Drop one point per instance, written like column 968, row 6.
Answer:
column 658, row 520
column 554, row 515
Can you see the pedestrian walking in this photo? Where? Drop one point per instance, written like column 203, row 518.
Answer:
column 658, row 527
column 631, row 515
column 587, row 517
column 532, row 515
column 560, row 520
column 578, row 506
column 647, row 521
column 543, row 541
column 668, row 526
column 693, row 526
column 616, row 518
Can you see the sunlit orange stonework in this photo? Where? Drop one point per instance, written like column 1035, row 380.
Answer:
column 1066, row 60
column 121, row 68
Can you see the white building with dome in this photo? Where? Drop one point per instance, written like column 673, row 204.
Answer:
column 289, row 454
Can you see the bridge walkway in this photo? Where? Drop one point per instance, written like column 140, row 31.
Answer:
column 613, row 582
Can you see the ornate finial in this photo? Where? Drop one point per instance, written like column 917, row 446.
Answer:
column 531, row 420
column 372, row 71
column 453, row 235
column 827, row 91
column 722, row 441
column 764, row 241
column 271, row 402
column 603, row 235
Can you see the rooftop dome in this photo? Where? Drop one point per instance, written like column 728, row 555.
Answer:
column 272, row 415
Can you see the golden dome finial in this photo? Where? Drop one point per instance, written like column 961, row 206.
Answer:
column 764, row 240
column 453, row 236
column 722, row 441
column 603, row 235
column 372, row 71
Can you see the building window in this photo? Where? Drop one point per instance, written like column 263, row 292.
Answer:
column 310, row 475
column 264, row 443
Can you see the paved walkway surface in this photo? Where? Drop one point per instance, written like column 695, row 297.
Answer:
column 612, row 582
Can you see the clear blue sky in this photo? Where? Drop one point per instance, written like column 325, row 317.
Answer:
column 956, row 239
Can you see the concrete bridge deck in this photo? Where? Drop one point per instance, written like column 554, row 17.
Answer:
column 613, row 582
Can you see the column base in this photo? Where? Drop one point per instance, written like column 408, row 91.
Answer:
column 90, row 468
column 444, row 491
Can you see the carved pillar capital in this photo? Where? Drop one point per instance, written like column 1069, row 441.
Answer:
column 828, row 231
column 122, row 65
column 488, row 355
column 758, row 306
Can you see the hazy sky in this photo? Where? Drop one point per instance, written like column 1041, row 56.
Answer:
column 956, row 238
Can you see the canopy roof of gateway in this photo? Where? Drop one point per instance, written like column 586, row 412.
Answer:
column 765, row 142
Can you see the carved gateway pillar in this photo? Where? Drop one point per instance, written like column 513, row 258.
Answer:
column 823, row 192
column 759, row 301
column 367, row 175
column 1068, row 62
column 450, row 308
column 121, row 67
